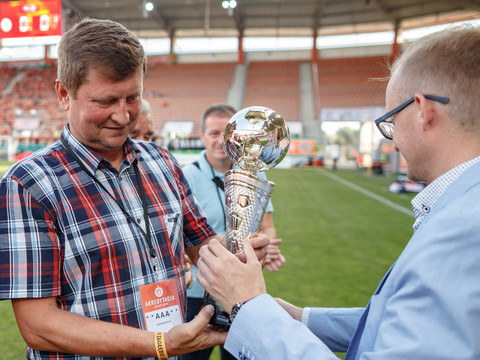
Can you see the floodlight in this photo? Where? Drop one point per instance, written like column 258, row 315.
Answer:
column 149, row 6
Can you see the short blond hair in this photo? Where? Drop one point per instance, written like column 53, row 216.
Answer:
column 445, row 63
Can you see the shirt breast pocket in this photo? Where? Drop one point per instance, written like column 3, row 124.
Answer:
column 174, row 229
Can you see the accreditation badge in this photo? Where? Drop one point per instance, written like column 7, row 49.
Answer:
column 161, row 306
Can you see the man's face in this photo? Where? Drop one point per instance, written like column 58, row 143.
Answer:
column 212, row 137
column 407, row 134
column 104, row 111
column 144, row 128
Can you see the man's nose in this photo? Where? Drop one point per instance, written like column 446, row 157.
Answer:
column 120, row 113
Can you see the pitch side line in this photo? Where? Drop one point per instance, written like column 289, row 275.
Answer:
column 367, row 193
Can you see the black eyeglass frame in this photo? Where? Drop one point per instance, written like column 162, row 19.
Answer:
column 385, row 117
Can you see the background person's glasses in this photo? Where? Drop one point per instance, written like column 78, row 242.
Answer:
column 385, row 123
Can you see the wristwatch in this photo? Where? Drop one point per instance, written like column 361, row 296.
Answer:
column 235, row 310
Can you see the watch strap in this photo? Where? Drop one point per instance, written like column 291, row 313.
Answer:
column 235, row 309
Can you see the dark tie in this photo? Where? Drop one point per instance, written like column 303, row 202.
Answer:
column 353, row 347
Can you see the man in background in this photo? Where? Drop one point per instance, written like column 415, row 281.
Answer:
column 144, row 128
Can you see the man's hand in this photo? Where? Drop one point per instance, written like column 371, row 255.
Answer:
column 227, row 278
column 188, row 272
column 46, row 327
column 274, row 259
column 259, row 243
column 194, row 335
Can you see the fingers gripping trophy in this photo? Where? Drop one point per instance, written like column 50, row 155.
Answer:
column 255, row 139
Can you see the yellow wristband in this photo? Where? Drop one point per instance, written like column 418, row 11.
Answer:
column 160, row 347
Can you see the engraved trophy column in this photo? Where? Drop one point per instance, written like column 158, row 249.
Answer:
column 255, row 139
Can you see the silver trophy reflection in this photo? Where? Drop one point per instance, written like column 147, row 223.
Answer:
column 255, row 139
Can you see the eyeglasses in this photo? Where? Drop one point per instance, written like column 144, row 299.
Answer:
column 385, row 123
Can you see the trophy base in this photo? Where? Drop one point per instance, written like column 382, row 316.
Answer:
column 220, row 319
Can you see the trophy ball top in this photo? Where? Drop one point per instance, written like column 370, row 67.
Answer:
column 256, row 138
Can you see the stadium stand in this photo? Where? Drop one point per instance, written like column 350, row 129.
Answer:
column 352, row 82
column 29, row 96
column 275, row 84
column 178, row 93
column 7, row 73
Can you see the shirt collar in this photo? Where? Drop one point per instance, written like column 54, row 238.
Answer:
column 426, row 199
column 91, row 159
column 205, row 165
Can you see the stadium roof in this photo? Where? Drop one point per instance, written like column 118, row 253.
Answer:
column 207, row 18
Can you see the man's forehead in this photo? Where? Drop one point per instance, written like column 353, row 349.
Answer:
column 393, row 85
column 215, row 121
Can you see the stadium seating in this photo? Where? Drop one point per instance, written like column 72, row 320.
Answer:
column 352, row 82
column 274, row 84
column 180, row 92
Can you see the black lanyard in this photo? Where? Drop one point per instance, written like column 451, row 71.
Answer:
column 147, row 234
column 220, row 186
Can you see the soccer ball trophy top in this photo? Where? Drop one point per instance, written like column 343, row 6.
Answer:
column 256, row 138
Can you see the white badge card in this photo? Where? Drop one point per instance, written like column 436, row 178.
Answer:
column 161, row 306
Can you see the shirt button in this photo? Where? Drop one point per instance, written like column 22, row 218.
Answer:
column 425, row 209
column 139, row 220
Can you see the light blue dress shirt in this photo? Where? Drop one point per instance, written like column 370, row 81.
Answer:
column 426, row 307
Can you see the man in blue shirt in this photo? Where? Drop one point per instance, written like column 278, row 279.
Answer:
column 426, row 306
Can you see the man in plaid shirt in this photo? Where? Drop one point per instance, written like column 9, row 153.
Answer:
column 89, row 220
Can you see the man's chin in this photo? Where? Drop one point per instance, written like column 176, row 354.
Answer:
column 220, row 155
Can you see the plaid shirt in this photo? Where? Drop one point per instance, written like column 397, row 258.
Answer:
column 62, row 235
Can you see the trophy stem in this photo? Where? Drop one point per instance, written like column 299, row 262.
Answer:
column 246, row 199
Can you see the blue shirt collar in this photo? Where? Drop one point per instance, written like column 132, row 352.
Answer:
column 207, row 168
column 91, row 159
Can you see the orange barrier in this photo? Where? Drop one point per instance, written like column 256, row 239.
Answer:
column 302, row 147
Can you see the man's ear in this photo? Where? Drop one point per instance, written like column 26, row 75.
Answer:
column 62, row 95
column 427, row 111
